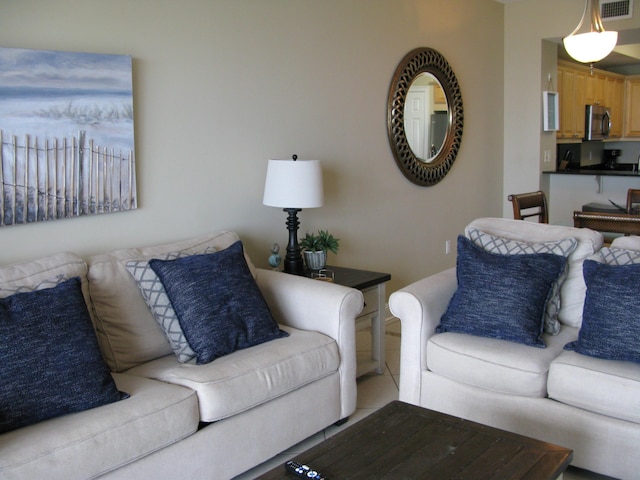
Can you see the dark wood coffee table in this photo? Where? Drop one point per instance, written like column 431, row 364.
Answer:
column 402, row 441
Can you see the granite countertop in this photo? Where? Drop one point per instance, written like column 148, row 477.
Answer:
column 621, row 170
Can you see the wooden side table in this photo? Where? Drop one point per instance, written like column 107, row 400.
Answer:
column 372, row 285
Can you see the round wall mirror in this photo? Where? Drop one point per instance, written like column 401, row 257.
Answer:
column 424, row 116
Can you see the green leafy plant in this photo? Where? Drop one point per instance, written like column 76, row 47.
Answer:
column 323, row 240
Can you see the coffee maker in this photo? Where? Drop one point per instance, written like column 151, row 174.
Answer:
column 610, row 158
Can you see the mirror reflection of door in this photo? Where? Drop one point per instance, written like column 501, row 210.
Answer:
column 425, row 117
column 416, row 125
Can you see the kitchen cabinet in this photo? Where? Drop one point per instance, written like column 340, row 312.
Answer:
column 632, row 107
column 571, row 88
column 614, row 99
column 578, row 86
column 594, row 94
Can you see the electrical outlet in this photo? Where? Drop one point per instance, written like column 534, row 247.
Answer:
column 547, row 156
column 447, row 247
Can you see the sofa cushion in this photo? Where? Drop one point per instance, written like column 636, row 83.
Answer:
column 52, row 364
column 496, row 365
column 217, row 301
column 506, row 246
column 90, row 443
column 573, row 289
column 500, row 296
column 606, row 387
column 243, row 379
column 127, row 331
column 610, row 325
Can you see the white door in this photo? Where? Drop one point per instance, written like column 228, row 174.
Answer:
column 415, row 121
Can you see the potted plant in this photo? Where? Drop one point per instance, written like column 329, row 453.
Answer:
column 315, row 246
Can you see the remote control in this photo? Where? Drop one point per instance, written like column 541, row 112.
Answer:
column 303, row 471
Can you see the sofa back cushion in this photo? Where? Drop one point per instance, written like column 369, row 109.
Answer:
column 573, row 289
column 127, row 331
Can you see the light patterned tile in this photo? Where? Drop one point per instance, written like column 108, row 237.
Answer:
column 375, row 391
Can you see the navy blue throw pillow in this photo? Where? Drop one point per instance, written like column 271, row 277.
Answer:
column 611, row 316
column 218, row 304
column 51, row 362
column 501, row 296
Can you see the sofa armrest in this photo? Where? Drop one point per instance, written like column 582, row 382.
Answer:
column 419, row 307
column 324, row 307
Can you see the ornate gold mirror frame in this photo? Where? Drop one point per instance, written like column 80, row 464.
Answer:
column 419, row 171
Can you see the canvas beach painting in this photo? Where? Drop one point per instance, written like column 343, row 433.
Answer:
column 66, row 135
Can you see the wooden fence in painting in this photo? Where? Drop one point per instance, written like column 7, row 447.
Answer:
column 61, row 178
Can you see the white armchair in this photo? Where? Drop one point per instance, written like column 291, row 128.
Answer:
column 584, row 403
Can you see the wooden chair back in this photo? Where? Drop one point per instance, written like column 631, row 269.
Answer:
column 608, row 222
column 633, row 198
column 531, row 204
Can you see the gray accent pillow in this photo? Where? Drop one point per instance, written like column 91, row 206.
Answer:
column 507, row 246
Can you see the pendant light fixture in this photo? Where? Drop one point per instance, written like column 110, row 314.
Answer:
column 592, row 45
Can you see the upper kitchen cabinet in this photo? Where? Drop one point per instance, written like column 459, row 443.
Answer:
column 632, row 107
column 594, row 92
column 571, row 88
column 578, row 87
column 614, row 99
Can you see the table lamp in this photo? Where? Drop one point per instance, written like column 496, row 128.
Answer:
column 293, row 185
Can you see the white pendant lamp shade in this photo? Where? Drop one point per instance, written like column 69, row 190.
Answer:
column 590, row 47
column 293, row 184
column 594, row 44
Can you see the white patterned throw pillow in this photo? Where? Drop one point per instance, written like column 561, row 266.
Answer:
column 507, row 246
column 6, row 291
column 616, row 256
column 158, row 302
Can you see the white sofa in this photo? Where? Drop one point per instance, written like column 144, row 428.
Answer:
column 588, row 404
column 183, row 420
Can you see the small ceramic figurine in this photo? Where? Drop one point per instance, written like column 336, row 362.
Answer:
column 275, row 258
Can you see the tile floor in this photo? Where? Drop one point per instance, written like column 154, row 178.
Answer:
column 375, row 391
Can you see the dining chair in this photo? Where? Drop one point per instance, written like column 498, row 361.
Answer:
column 633, row 198
column 621, row 223
column 531, row 204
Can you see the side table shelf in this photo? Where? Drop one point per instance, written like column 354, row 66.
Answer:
column 372, row 286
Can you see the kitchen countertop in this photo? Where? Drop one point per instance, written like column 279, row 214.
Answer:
column 622, row 170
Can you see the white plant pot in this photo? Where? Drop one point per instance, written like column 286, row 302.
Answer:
column 315, row 260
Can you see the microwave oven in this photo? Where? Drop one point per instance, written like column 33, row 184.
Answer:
column 597, row 122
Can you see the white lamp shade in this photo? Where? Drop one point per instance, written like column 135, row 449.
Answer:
column 591, row 46
column 293, row 184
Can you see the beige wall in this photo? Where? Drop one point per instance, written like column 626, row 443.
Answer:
column 527, row 24
column 220, row 86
